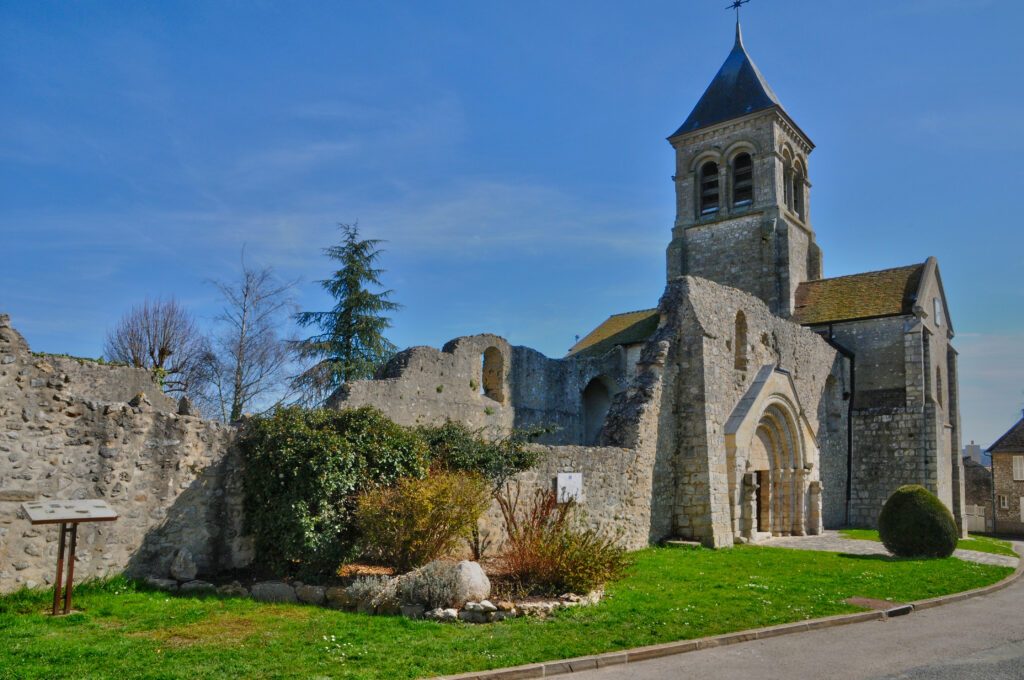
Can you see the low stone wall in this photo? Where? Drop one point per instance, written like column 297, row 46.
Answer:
column 616, row 491
column 173, row 479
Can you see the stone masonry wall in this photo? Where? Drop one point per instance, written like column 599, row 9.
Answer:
column 173, row 479
column 1008, row 520
column 616, row 491
column 716, row 390
column 423, row 386
column 889, row 451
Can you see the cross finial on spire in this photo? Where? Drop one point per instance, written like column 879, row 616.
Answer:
column 736, row 4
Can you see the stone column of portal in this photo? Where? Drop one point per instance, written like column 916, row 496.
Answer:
column 748, row 509
column 799, row 492
column 814, row 526
column 790, row 481
column 776, row 499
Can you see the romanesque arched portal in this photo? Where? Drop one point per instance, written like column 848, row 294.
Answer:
column 772, row 463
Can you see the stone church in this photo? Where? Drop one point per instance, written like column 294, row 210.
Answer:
column 758, row 398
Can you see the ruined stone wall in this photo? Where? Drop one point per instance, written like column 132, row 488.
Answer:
column 173, row 479
column 102, row 382
column 426, row 386
column 616, row 496
column 730, row 367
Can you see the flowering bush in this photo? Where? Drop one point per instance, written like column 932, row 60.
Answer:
column 419, row 520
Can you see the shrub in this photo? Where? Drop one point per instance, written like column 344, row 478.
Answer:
column 547, row 554
column 455, row 447
column 418, row 520
column 303, row 472
column 915, row 523
column 433, row 585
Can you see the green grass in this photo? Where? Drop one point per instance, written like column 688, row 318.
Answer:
column 124, row 631
column 976, row 542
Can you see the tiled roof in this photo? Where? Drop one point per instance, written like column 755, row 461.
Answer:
column 627, row 328
column 889, row 292
column 738, row 89
column 1013, row 440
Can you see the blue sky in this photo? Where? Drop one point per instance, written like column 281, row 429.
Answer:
column 513, row 155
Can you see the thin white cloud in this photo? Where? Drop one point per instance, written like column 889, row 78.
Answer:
column 991, row 383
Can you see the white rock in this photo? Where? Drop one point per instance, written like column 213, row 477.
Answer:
column 472, row 583
column 488, row 606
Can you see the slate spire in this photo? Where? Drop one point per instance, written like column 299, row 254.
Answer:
column 738, row 89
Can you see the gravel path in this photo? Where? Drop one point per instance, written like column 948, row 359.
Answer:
column 832, row 541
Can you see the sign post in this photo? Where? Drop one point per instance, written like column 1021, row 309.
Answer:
column 69, row 514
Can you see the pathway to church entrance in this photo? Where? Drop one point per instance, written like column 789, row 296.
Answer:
column 831, row 541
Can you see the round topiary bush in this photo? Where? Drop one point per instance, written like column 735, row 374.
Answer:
column 915, row 523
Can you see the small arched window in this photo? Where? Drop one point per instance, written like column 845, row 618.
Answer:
column 742, row 180
column 709, row 188
column 798, row 189
column 740, row 342
column 938, row 385
column 787, row 179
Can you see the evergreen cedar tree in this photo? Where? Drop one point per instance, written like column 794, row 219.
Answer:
column 915, row 523
column 348, row 343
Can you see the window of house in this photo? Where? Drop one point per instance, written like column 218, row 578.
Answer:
column 1018, row 468
column 1022, row 509
column 742, row 180
column 938, row 385
column 709, row 188
column 938, row 311
column 1004, row 502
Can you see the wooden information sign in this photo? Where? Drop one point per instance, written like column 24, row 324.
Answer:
column 69, row 514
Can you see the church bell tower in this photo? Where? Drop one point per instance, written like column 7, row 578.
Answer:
column 742, row 189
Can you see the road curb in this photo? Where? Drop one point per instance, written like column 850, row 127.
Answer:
column 550, row 668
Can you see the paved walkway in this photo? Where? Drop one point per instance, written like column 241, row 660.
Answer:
column 978, row 639
column 832, row 541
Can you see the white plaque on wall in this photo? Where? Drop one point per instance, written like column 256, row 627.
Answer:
column 570, row 486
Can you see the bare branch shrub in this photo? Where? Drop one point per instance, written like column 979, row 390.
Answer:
column 160, row 335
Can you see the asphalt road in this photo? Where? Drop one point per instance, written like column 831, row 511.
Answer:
column 978, row 639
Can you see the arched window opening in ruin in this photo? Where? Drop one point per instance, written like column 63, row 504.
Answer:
column 709, row 188
column 938, row 385
column 740, row 342
column 492, row 374
column 742, row 180
column 798, row 190
column 597, row 398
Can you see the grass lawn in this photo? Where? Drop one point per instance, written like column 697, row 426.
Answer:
column 671, row 594
column 976, row 542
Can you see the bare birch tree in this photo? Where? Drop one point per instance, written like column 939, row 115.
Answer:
column 246, row 365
